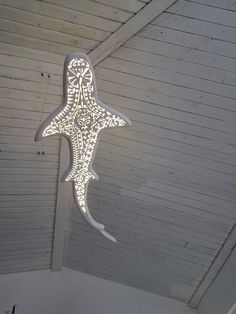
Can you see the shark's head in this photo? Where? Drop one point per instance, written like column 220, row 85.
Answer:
column 79, row 73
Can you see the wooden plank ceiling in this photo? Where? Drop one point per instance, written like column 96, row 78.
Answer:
column 167, row 185
column 35, row 37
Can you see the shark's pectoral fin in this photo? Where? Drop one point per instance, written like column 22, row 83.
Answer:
column 38, row 135
column 46, row 129
column 51, row 125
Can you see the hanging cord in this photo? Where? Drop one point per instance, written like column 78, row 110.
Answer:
column 44, row 98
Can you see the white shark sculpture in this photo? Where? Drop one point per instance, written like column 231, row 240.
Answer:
column 81, row 119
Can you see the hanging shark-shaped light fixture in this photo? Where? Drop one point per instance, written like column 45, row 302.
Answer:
column 81, row 119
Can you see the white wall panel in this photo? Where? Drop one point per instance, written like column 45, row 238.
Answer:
column 70, row 291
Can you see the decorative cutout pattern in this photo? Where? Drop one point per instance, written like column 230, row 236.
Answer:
column 81, row 120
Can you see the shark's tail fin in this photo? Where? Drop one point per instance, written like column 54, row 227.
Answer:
column 80, row 190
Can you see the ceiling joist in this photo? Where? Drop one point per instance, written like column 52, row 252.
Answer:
column 130, row 28
column 214, row 269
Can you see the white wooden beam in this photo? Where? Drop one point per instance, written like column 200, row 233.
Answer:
column 63, row 194
column 126, row 31
column 130, row 28
column 215, row 268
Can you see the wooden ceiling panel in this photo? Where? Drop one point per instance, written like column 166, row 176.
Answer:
column 167, row 184
column 35, row 37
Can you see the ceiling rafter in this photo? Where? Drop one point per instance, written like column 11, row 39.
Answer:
column 152, row 10
column 128, row 29
column 216, row 266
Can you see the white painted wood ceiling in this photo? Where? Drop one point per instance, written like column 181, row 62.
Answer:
column 35, row 37
column 167, row 185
